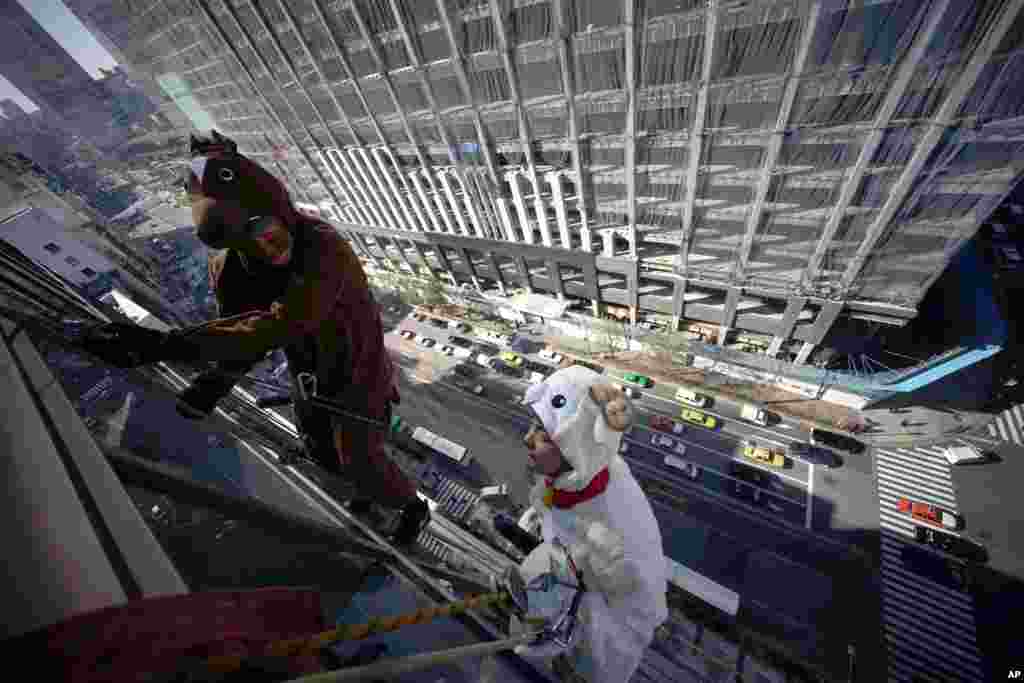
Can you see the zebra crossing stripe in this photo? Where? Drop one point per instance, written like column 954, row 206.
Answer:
column 928, row 626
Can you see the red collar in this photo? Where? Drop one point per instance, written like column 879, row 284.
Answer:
column 567, row 499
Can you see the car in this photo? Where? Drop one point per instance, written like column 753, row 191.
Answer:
column 698, row 418
column 664, row 423
column 394, row 309
column 448, row 350
column 550, row 355
column 930, row 514
column 459, row 326
column 747, row 473
column 407, row 334
column 483, row 360
column 419, row 317
column 539, row 368
column 963, row 454
column 815, row 455
column 665, row 441
column 511, row 359
column 464, row 370
column 954, row 545
column 820, row 437
column 436, row 322
column 489, row 349
column 639, row 380
column 599, row 369
column 688, row 468
column 628, row 391
column 765, row 455
column 1009, row 257
column 428, row 342
column 461, row 342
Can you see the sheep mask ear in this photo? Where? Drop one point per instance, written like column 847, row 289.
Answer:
column 616, row 408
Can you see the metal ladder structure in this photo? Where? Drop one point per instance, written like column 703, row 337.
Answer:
column 95, row 524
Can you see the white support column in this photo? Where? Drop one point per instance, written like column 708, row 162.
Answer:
column 540, row 208
column 609, row 243
column 366, row 207
column 470, row 193
column 775, row 346
column 723, row 332
column 427, row 207
column 554, row 179
column 629, row 134
column 388, row 204
column 342, row 187
column 696, row 147
column 932, row 137
column 399, row 196
column 775, row 144
column 804, row 353
column 564, row 38
column 517, row 199
column 443, row 210
column 851, row 184
column 346, row 186
column 506, row 220
column 453, row 200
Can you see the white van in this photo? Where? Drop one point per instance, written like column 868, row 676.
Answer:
column 691, row 397
column 963, row 454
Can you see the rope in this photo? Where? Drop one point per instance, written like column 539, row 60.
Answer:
column 311, row 644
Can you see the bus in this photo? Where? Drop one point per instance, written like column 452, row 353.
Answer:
column 441, row 445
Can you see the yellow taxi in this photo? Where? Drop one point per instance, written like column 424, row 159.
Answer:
column 697, row 417
column 511, row 359
column 764, row 455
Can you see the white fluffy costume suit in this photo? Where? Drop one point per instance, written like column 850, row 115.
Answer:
column 598, row 511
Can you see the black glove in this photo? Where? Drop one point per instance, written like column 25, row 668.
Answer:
column 126, row 345
column 197, row 402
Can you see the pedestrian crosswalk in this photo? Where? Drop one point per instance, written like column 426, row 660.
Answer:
column 1009, row 425
column 928, row 619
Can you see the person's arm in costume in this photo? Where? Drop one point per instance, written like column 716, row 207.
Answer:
column 206, row 390
column 306, row 304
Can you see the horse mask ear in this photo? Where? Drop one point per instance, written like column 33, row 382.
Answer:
column 215, row 145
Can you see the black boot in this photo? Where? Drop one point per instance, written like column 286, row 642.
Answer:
column 413, row 519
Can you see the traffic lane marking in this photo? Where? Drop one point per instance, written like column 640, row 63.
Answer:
column 649, row 391
column 729, row 420
column 730, row 456
column 655, row 457
column 810, row 496
column 791, row 515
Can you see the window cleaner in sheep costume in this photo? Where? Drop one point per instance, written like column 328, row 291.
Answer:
column 595, row 520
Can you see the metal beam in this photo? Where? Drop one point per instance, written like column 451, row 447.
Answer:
column 382, row 68
column 555, row 275
column 942, row 121
column 287, row 60
column 212, row 21
column 347, row 66
column 507, row 59
column 775, row 144
column 563, row 38
column 524, row 273
column 904, row 75
column 697, row 135
column 458, row 63
column 629, row 134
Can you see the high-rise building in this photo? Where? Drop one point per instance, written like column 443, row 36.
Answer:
column 11, row 109
column 770, row 168
column 44, row 72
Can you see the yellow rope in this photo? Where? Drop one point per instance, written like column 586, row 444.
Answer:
column 311, row 644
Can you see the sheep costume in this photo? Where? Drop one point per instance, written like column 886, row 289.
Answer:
column 599, row 513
